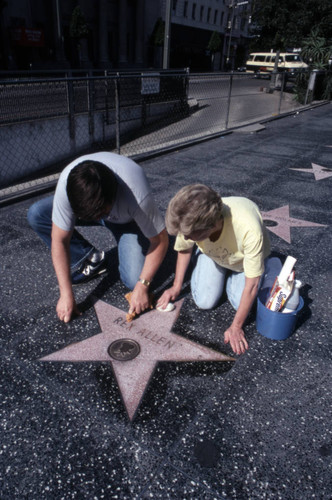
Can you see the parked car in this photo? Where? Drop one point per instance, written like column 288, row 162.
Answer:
column 262, row 63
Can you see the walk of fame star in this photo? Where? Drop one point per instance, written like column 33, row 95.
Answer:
column 147, row 340
column 318, row 171
column 285, row 222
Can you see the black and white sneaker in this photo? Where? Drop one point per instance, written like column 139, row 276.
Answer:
column 92, row 267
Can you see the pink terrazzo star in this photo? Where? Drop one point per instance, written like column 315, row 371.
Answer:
column 318, row 171
column 156, row 342
column 285, row 222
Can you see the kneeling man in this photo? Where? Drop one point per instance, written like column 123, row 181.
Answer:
column 112, row 191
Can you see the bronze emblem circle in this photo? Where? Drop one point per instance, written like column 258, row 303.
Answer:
column 124, row 349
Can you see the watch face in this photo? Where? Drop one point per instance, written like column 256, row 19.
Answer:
column 144, row 282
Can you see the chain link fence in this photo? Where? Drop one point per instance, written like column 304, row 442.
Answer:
column 46, row 122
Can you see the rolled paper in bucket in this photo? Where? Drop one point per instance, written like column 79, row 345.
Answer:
column 274, row 324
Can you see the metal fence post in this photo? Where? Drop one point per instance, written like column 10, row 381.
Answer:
column 307, row 91
column 91, row 100
column 107, row 111
column 229, row 100
column 311, row 85
column 186, row 82
column 282, row 86
column 71, row 107
column 117, row 113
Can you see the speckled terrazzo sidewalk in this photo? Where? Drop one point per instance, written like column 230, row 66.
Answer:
column 256, row 428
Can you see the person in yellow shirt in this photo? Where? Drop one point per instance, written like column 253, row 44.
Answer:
column 232, row 248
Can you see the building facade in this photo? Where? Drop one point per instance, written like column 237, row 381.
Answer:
column 193, row 23
column 119, row 34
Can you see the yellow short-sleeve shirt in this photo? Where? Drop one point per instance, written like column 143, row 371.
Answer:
column 243, row 243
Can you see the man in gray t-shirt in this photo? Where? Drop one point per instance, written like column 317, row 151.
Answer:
column 109, row 190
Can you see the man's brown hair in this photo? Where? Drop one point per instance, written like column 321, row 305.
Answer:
column 91, row 187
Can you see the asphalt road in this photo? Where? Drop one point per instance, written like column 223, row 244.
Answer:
column 213, row 110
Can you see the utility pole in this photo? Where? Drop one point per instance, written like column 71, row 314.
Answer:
column 230, row 33
column 167, row 36
column 59, row 49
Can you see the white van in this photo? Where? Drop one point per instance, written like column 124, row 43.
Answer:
column 262, row 63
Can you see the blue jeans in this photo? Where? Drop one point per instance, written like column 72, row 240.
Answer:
column 132, row 244
column 208, row 281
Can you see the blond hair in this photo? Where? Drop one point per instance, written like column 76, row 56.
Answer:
column 195, row 207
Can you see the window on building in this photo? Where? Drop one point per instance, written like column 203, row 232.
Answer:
column 208, row 15
column 174, row 4
column 215, row 16
column 17, row 22
column 201, row 13
column 185, row 9
column 222, row 19
column 194, row 11
column 236, row 24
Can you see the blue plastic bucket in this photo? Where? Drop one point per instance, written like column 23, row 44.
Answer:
column 275, row 325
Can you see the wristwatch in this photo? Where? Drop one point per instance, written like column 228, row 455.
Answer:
column 144, row 282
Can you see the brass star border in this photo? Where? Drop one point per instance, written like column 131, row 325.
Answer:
column 152, row 332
